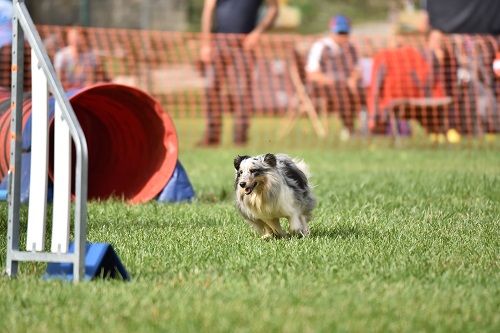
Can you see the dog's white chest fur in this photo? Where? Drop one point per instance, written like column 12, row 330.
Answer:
column 264, row 206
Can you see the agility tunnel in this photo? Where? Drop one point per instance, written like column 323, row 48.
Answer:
column 4, row 100
column 132, row 142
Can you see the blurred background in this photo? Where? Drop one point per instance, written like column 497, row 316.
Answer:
column 416, row 72
column 181, row 15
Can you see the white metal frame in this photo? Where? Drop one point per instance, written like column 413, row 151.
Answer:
column 67, row 130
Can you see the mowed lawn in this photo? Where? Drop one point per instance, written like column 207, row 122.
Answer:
column 403, row 240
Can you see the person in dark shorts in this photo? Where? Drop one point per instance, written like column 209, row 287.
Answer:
column 228, row 59
column 333, row 73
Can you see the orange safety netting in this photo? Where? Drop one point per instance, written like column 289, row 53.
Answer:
column 375, row 85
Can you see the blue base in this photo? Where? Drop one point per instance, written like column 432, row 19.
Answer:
column 178, row 188
column 101, row 261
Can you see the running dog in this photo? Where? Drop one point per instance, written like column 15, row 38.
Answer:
column 269, row 187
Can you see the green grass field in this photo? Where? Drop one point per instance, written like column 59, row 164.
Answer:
column 402, row 240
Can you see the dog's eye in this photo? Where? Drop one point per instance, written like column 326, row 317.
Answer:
column 253, row 171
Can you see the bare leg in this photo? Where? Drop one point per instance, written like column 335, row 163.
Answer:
column 241, row 84
column 213, row 103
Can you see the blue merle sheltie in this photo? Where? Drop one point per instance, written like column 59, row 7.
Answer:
column 269, row 187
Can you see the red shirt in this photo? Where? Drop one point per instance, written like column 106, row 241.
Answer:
column 406, row 73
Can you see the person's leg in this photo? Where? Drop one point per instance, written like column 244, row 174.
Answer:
column 242, row 92
column 214, row 74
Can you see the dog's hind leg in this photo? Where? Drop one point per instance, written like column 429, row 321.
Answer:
column 298, row 226
column 275, row 227
column 305, row 225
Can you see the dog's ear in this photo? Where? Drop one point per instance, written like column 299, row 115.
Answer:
column 270, row 159
column 238, row 159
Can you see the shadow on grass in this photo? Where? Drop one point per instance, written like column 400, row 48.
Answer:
column 338, row 232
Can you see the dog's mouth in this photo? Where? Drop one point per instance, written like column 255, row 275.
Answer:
column 249, row 189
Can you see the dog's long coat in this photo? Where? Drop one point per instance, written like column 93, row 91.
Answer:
column 269, row 187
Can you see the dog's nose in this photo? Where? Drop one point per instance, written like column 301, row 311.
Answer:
column 243, row 184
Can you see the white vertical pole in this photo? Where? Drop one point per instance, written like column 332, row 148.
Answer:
column 39, row 158
column 62, row 183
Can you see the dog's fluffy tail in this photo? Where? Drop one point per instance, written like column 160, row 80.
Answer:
column 302, row 167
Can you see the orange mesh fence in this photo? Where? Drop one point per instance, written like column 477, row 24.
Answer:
column 290, row 88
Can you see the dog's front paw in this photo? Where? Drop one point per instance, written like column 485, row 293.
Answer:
column 267, row 237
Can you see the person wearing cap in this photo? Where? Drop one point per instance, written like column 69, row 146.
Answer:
column 333, row 73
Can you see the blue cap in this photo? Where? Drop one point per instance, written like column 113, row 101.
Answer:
column 340, row 24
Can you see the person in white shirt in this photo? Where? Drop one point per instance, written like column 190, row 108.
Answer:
column 333, row 73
